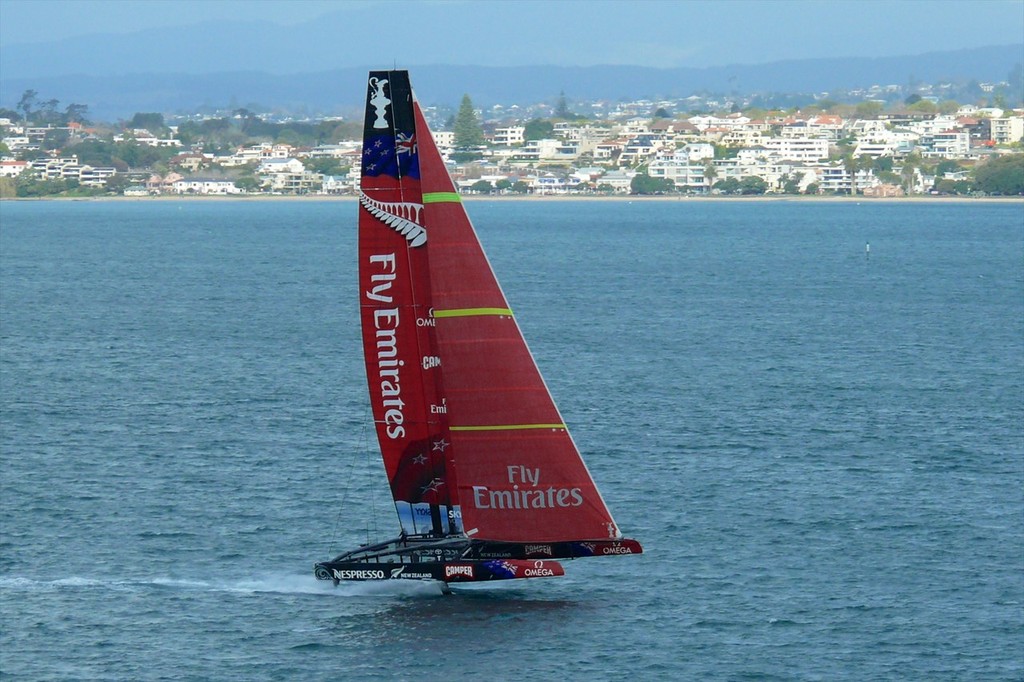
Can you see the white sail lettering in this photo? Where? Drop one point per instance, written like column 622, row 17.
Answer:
column 388, row 260
column 385, row 322
column 523, row 475
column 387, row 344
column 478, row 495
column 551, row 498
column 385, row 316
column 387, row 263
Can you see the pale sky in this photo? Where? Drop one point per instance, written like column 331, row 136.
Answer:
column 667, row 33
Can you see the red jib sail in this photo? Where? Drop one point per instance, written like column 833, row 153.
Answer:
column 471, row 439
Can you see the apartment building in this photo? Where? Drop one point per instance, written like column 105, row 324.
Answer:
column 509, row 136
column 804, row 149
column 947, row 144
column 1007, row 130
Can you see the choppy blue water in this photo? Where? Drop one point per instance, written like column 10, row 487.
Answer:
column 821, row 450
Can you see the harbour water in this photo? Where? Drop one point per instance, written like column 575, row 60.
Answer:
column 820, row 446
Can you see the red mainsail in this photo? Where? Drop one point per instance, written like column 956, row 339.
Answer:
column 471, row 438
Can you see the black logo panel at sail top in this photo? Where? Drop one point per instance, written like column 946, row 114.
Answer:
column 389, row 144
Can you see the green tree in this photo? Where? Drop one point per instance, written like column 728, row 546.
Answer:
column 643, row 184
column 888, row 177
column 92, row 152
column 924, row 106
column 503, row 185
column 48, row 112
column 325, row 166
column 468, row 133
column 947, row 186
column 562, row 109
column 752, row 184
column 882, row 163
column 289, row 136
column 482, row 187
column 726, row 152
column 26, row 103
column 869, row 109
column 140, row 156
column 710, row 173
column 728, row 186
column 1003, row 175
column 538, row 129
column 248, row 183
column 948, row 106
column 520, row 187
column 55, row 139
column 851, row 165
column 908, row 173
column 77, row 113
column 117, row 184
column 791, row 183
column 30, row 185
column 153, row 122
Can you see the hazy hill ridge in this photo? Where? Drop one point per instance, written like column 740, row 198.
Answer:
column 171, row 88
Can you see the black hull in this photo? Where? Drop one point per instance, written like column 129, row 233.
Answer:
column 458, row 559
column 445, row 572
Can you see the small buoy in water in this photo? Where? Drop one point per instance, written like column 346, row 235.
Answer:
column 867, row 249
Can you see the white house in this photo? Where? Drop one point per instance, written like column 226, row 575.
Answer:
column 276, row 165
column 12, row 169
column 205, row 186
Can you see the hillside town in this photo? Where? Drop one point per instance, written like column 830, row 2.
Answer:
column 922, row 147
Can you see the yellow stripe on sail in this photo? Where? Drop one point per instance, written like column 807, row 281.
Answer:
column 506, row 427
column 472, row 312
column 441, row 198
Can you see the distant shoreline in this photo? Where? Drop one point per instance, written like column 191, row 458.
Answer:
column 558, row 198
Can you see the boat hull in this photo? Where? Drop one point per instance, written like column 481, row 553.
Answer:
column 443, row 571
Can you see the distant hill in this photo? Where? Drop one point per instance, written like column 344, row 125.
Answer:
column 112, row 96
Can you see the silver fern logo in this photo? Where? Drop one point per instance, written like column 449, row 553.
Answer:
column 401, row 216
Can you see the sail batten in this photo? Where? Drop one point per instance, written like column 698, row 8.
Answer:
column 506, row 427
column 474, row 312
column 441, row 197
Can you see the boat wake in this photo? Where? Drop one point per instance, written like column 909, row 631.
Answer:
column 279, row 583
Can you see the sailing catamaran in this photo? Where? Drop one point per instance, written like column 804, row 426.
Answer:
column 487, row 481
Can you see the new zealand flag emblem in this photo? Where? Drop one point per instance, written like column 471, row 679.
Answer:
column 395, row 156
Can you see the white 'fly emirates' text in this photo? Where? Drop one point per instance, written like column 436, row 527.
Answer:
column 385, row 324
